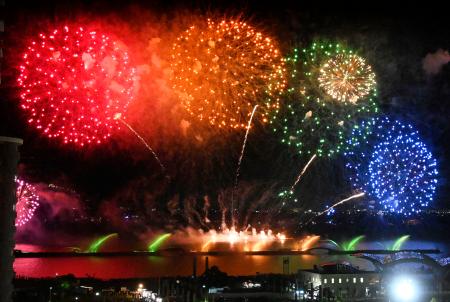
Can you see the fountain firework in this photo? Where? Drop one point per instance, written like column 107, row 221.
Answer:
column 156, row 244
column 95, row 246
column 251, row 240
column 352, row 244
column 399, row 242
column 308, row 242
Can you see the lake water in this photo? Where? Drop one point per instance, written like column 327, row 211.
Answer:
column 152, row 266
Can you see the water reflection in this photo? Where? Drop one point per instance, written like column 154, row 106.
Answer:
column 139, row 267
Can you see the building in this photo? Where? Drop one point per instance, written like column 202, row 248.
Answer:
column 9, row 157
column 338, row 280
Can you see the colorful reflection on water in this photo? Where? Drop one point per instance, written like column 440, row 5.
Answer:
column 178, row 265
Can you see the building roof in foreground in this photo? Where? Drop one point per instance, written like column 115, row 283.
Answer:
column 336, row 268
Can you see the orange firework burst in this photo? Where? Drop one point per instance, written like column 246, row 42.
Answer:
column 222, row 70
column 346, row 77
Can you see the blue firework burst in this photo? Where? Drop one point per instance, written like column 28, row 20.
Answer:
column 394, row 167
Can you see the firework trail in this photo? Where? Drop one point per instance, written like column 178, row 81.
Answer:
column 238, row 170
column 119, row 117
column 191, row 212
column 341, row 202
column 187, row 214
column 223, row 209
column 206, row 206
column 297, row 180
column 336, row 204
column 264, row 200
column 303, row 172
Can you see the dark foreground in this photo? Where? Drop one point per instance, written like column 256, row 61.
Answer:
column 329, row 282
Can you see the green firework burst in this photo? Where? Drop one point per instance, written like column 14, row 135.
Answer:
column 314, row 120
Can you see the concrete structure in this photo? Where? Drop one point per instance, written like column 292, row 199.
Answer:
column 9, row 157
column 2, row 30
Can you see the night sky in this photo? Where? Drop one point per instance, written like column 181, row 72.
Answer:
column 120, row 177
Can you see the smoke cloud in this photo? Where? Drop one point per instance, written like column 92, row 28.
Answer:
column 433, row 62
column 57, row 206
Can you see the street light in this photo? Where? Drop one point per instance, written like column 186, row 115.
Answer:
column 404, row 289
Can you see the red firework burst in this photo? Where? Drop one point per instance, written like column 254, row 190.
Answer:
column 73, row 82
column 27, row 202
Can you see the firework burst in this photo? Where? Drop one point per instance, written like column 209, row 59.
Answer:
column 395, row 167
column 330, row 89
column 221, row 70
column 346, row 78
column 73, row 81
column 27, row 202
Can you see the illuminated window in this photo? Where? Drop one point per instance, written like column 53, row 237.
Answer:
column 332, row 280
column 354, row 280
column 325, row 281
column 361, row 280
column 340, row 280
column 346, row 280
